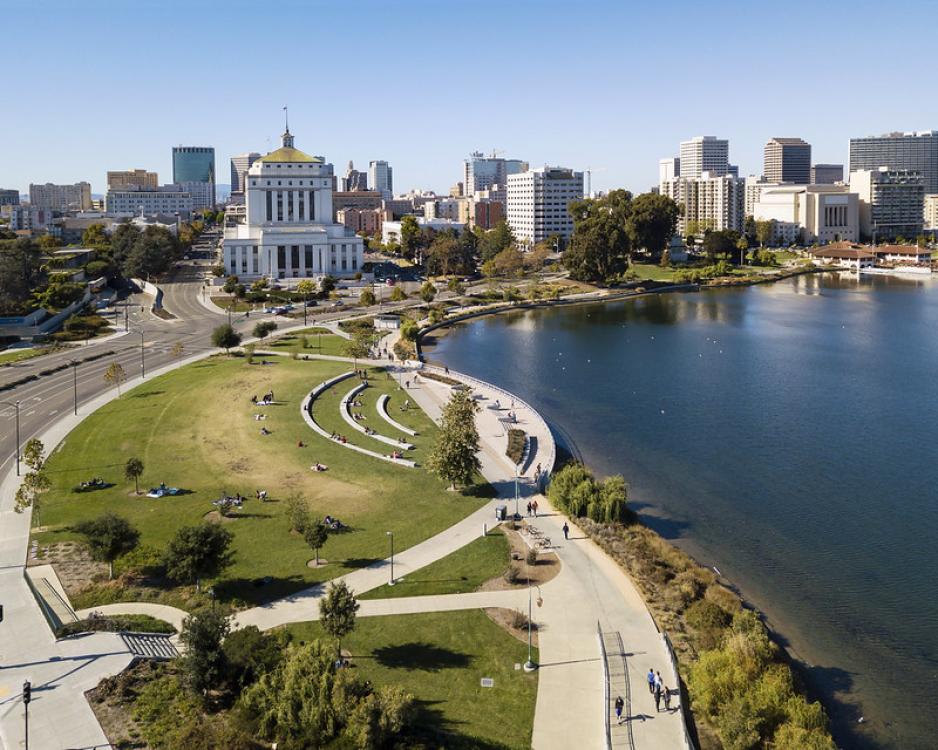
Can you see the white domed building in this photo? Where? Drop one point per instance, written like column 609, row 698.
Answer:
column 288, row 232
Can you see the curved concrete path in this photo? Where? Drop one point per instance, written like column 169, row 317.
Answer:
column 172, row 615
column 383, row 411
column 346, row 409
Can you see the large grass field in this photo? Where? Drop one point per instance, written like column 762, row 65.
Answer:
column 320, row 340
column 440, row 658
column 459, row 572
column 194, row 429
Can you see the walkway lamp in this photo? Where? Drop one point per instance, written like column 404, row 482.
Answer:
column 74, row 365
column 391, row 538
column 27, row 697
column 529, row 665
column 16, row 406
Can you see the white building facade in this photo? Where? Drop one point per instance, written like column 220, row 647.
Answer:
column 168, row 199
column 710, row 202
column 538, row 203
column 810, row 213
column 288, row 230
column 891, row 202
column 931, row 212
column 75, row 197
column 705, row 153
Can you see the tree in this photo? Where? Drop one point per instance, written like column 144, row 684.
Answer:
column 337, row 612
column 764, row 231
column 327, row 284
column 30, row 491
column 409, row 329
column 109, row 536
column 652, row 221
column 225, row 337
column 492, row 242
column 359, row 346
column 410, row 232
column 153, row 252
column 263, row 328
column 34, row 454
column 95, row 236
column 380, row 717
column 742, row 244
column 20, row 273
column 306, row 287
column 259, row 285
column 203, row 662
column 720, row 242
column 665, row 259
column 315, row 535
column 509, row 262
column 427, row 292
column 298, row 514
column 251, row 653
column 367, row 298
column 600, row 243
column 198, row 552
column 454, row 457
column 133, row 469
column 455, row 286
column 398, row 294
column 115, row 375
column 231, row 285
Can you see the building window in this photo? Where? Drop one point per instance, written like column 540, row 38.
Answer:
column 269, row 206
column 281, row 258
column 308, row 257
column 279, row 205
column 295, row 256
column 301, row 212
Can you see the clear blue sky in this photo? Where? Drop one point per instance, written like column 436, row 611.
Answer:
column 96, row 85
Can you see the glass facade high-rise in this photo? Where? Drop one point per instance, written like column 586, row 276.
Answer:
column 195, row 164
column 916, row 152
column 787, row 160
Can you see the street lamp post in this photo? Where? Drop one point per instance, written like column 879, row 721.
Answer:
column 74, row 365
column 27, row 697
column 517, row 513
column 16, row 406
column 529, row 665
column 391, row 538
column 143, row 364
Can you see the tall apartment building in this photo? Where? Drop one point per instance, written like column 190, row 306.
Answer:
column 354, row 180
column 240, row 165
column 712, row 202
column 75, row 197
column 827, row 174
column 381, row 177
column 196, row 164
column 916, row 152
column 669, row 168
column 704, row 153
column 132, row 178
column 26, row 218
column 538, row 203
column 891, row 202
column 482, row 172
column 168, row 199
column 787, row 160
column 931, row 213
column 9, row 197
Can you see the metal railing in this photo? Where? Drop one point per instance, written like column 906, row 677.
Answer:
column 602, row 651
column 688, row 742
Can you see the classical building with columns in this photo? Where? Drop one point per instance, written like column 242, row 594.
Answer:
column 289, row 231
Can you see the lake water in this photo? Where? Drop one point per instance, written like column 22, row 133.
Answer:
column 784, row 433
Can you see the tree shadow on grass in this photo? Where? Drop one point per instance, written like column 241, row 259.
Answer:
column 482, row 489
column 147, row 394
column 417, row 655
column 261, row 590
column 433, row 729
column 360, row 562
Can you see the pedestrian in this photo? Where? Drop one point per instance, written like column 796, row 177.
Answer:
column 566, row 530
column 659, row 683
column 667, row 698
column 651, row 680
column 529, row 507
column 534, row 507
column 657, row 698
column 619, row 706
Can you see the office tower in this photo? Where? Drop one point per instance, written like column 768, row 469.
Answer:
column 9, row 197
column 381, row 178
column 827, row 174
column 482, row 172
column 354, row 181
column 538, row 203
column 704, row 153
column 916, row 152
column 787, row 160
column 668, row 169
column 132, row 178
column 195, row 164
column 239, row 168
column 891, row 202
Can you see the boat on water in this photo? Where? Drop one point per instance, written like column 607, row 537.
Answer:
column 901, row 270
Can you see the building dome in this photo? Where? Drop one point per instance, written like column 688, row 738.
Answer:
column 288, row 154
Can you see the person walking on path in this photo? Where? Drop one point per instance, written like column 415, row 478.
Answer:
column 566, row 530
column 667, row 698
column 658, row 692
column 529, row 508
column 659, row 683
column 534, row 507
column 651, row 680
column 619, row 705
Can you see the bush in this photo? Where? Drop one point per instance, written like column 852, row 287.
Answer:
column 520, row 621
column 512, row 575
column 398, row 294
column 531, row 557
column 143, row 561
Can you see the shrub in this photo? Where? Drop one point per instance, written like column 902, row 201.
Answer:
column 144, row 561
column 520, row 621
column 531, row 557
column 512, row 575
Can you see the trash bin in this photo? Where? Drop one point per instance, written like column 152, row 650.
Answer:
column 501, row 512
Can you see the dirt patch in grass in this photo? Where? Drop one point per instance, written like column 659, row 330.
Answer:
column 513, row 622
column 73, row 565
column 213, row 516
column 545, row 569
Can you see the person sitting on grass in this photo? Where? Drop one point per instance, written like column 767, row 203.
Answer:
column 265, row 431
column 319, row 467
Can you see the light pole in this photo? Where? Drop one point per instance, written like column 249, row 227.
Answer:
column 529, row 665
column 517, row 513
column 143, row 364
column 27, row 697
column 74, row 365
column 391, row 538
column 16, row 406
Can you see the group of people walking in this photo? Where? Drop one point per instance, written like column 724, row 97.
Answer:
column 658, row 690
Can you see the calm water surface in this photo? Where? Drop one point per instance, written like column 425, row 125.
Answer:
column 786, row 434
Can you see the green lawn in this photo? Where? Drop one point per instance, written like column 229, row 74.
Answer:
column 194, row 429
column 654, row 272
column 236, row 305
column 21, row 355
column 321, row 341
column 440, row 658
column 459, row 572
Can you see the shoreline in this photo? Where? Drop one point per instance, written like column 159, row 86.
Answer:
column 784, row 634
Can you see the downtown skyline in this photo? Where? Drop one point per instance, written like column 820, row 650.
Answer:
column 607, row 88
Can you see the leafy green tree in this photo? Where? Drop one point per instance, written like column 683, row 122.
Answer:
column 133, row 469
column 409, row 329
column 367, row 298
column 651, row 222
column 203, row 663
column 231, row 285
column 315, row 535
column 95, row 236
column 327, row 284
column 456, row 286
column 197, row 552
column 225, row 337
column 359, row 346
column 398, row 294
column 454, row 457
column 380, row 717
column 600, row 243
column 410, row 234
column 427, row 292
column 492, row 242
column 720, row 242
column 764, row 231
column 298, row 513
column 29, row 493
column 509, row 262
column 152, row 253
column 251, row 653
column 337, row 610
column 306, row 287
column 108, row 536
column 20, row 273
column 262, row 329
column 34, row 454
column 115, row 375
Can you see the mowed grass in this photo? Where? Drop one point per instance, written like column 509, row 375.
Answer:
column 194, row 429
column 459, row 572
column 440, row 658
column 320, row 340
column 13, row 356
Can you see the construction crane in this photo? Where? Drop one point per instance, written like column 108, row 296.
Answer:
column 589, row 178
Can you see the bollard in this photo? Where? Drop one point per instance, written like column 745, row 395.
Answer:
column 485, row 528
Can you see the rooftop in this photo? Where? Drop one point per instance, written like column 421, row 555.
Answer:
column 290, row 155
